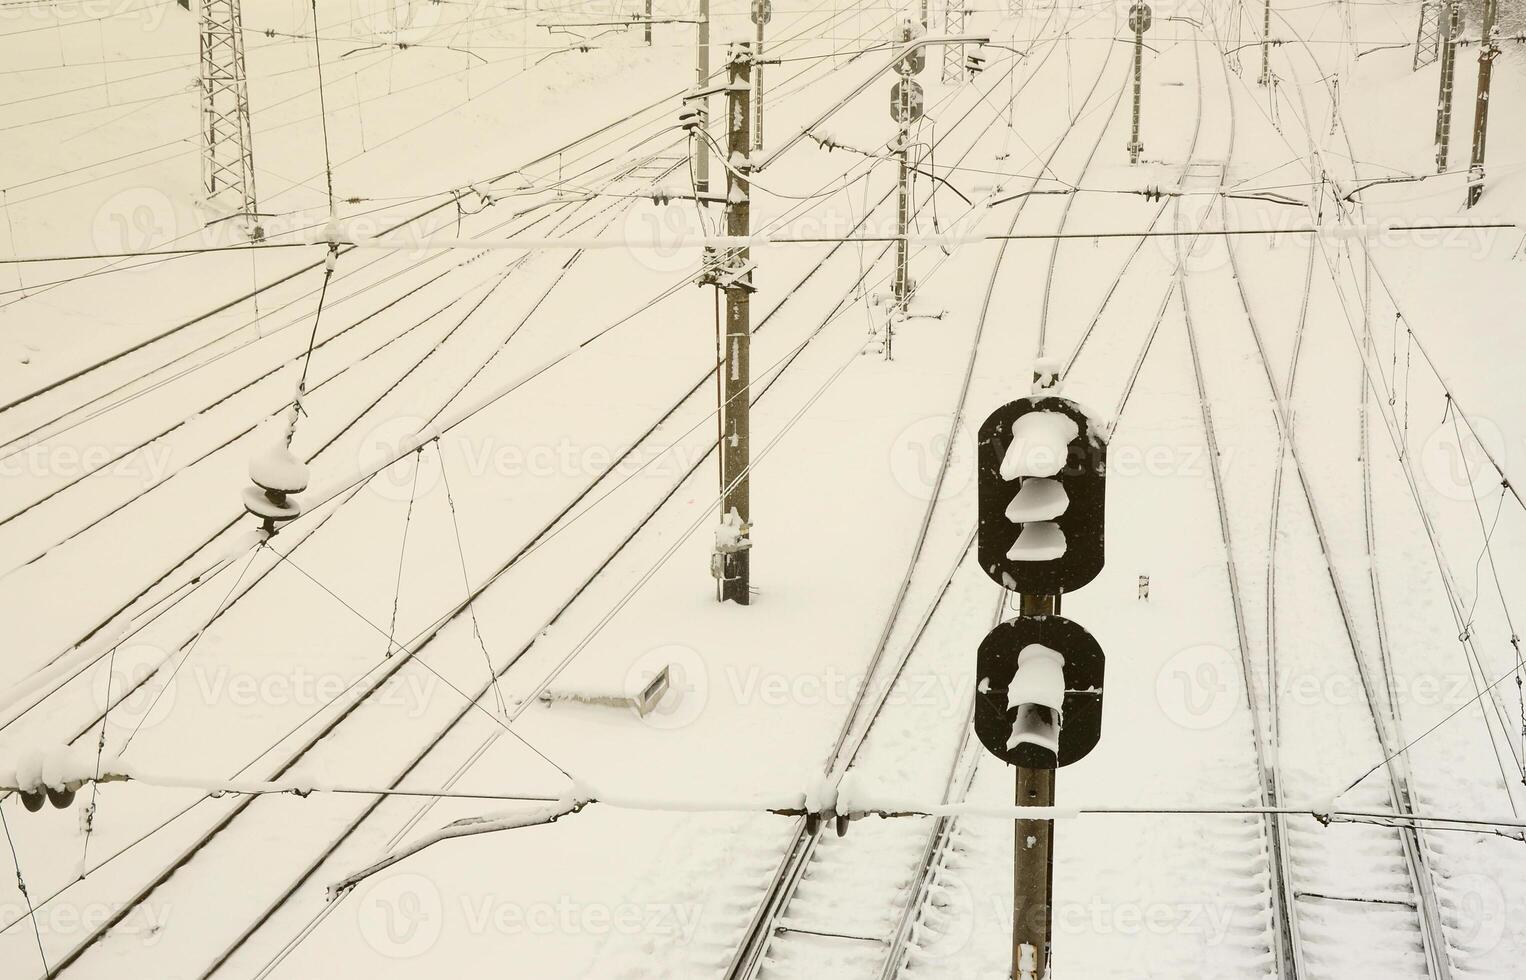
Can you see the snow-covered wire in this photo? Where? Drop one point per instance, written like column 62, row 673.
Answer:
column 25, row 895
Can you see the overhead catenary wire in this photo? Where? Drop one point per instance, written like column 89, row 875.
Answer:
column 768, row 239
column 628, row 538
column 790, row 803
column 25, row 894
column 458, row 529
column 563, row 512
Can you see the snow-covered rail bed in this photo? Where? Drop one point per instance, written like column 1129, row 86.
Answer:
column 381, row 739
column 1333, row 882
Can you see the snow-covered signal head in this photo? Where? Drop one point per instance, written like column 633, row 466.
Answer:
column 1042, row 465
column 1038, row 694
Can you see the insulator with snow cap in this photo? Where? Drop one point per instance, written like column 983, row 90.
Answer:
column 276, row 474
column 41, row 778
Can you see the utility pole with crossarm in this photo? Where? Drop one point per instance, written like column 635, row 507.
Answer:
column 732, row 273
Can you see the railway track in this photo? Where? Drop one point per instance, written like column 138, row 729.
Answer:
column 308, row 529
column 805, row 926
column 1334, row 882
column 413, row 649
column 806, row 923
column 854, row 938
column 314, row 921
column 195, row 565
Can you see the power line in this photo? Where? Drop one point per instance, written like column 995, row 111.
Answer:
column 1343, row 231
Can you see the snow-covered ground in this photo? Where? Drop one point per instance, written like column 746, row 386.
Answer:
column 1334, row 566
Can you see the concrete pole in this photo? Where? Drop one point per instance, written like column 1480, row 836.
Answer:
column 702, row 81
column 1266, row 44
column 1487, row 52
column 736, row 367
column 757, row 91
column 1135, row 147
column 901, row 286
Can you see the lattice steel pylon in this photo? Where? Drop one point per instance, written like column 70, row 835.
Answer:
column 227, row 150
column 1428, row 35
column 954, row 16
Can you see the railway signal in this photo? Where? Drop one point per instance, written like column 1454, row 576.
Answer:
column 914, row 60
column 1041, row 467
column 1140, row 19
column 906, row 101
column 1039, row 694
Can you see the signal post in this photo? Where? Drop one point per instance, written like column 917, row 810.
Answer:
column 1140, row 18
column 1042, row 466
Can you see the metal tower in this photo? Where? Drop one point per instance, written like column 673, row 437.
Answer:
column 227, row 147
column 954, row 15
column 1428, row 36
